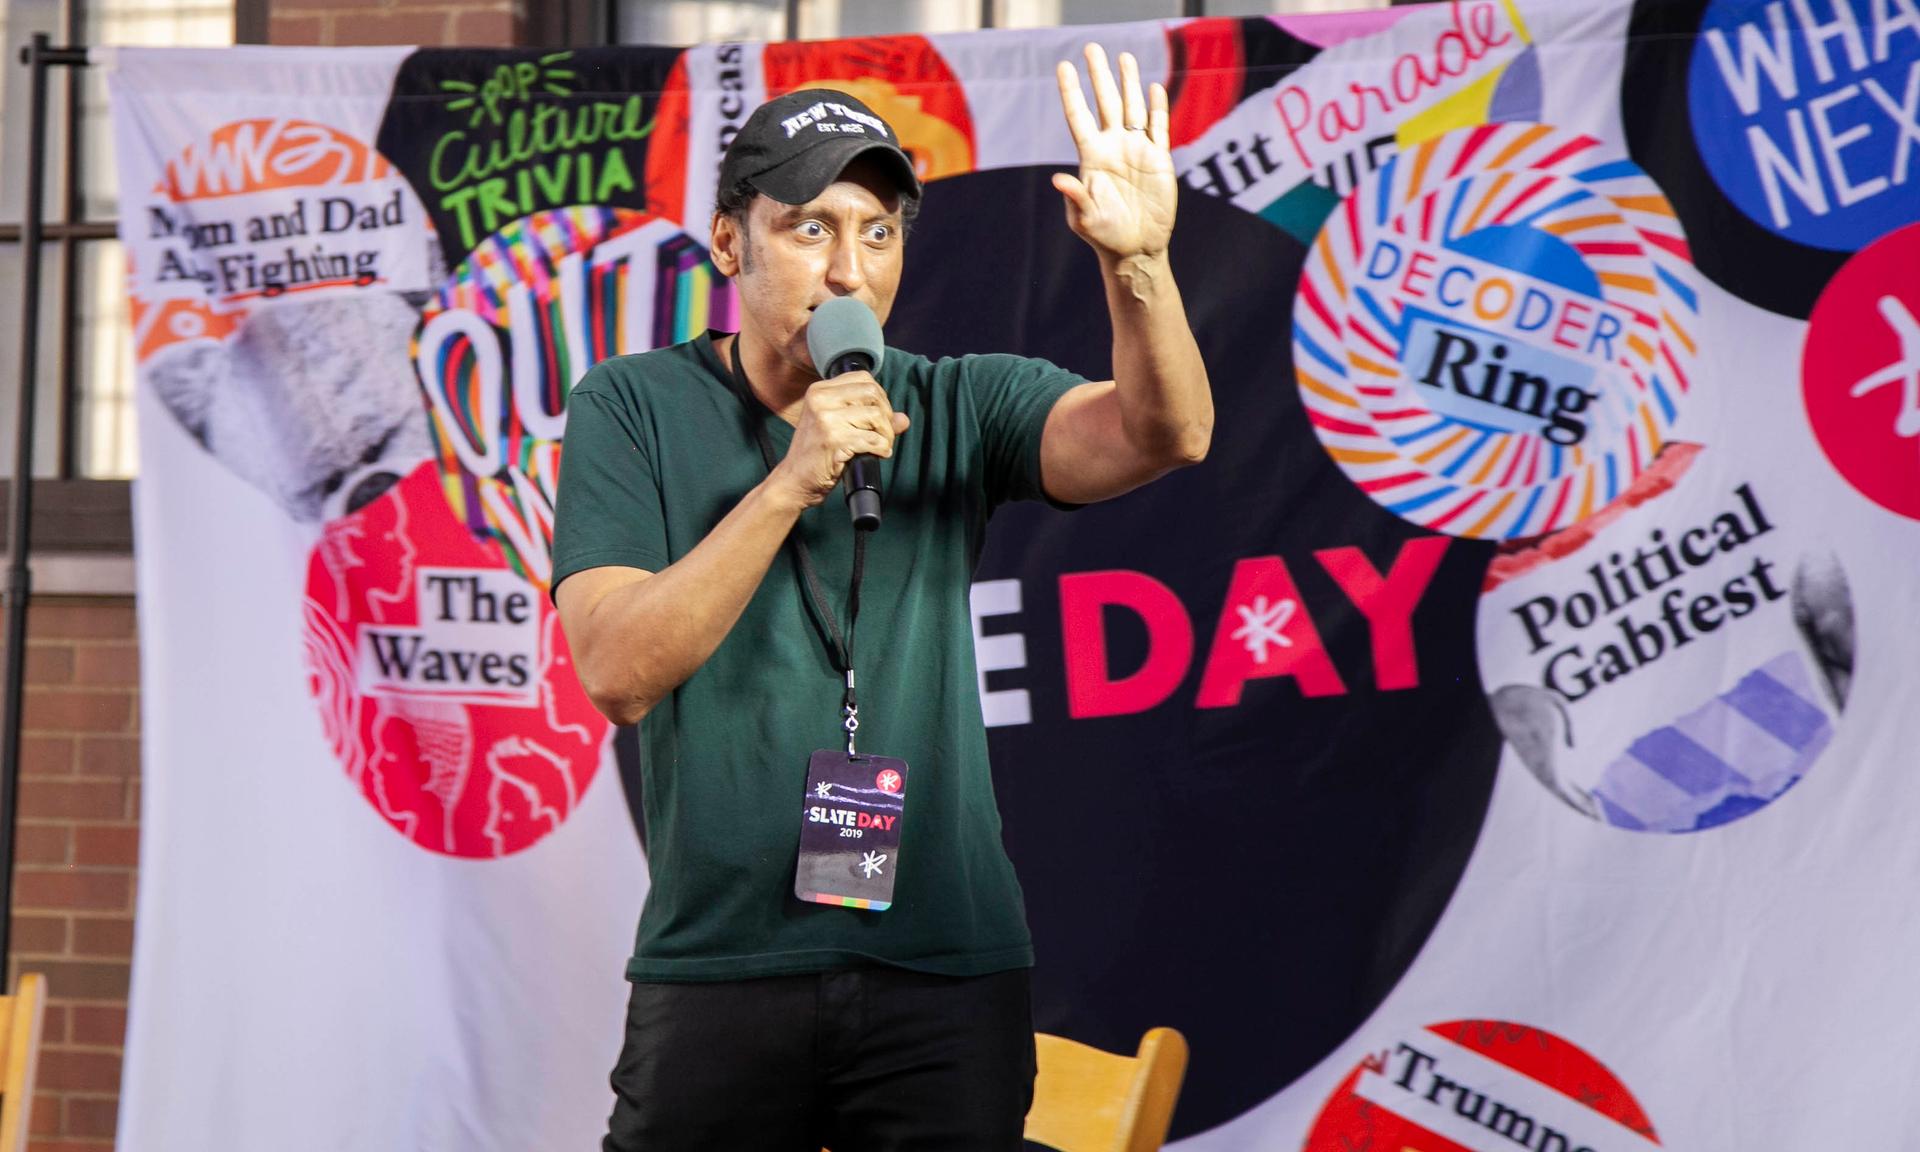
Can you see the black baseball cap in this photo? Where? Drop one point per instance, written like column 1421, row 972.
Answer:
column 795, row 145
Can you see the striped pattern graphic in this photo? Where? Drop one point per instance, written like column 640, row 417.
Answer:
column 1734, row 754
column 1513, row 188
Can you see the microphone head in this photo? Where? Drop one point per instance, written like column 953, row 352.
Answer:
column 840, row 326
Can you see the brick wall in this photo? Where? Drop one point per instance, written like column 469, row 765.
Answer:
column 77, row 857
column 488, row 23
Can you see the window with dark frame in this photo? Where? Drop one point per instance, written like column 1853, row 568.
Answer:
column 84, row 433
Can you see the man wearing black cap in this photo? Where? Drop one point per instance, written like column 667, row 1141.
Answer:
column 790, row 989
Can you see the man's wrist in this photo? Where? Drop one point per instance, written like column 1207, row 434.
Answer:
column 781, row 497
column 1141, row 276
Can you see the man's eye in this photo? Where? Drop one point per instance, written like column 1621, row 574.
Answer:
column 880, row 233
column 812, row 229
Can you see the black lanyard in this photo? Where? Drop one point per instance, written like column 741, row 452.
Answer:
column 839, row 647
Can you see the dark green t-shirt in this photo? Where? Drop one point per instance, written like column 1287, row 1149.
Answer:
column 658, row 449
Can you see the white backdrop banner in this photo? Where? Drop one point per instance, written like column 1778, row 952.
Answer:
column 1502, row 740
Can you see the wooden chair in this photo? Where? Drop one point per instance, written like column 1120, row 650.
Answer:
column 1087, row 1100
column 21, row 1017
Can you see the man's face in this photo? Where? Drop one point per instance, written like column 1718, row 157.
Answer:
column 790, row 258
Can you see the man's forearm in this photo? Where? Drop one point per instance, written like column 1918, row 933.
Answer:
column 1166, row 403
column 644, row 639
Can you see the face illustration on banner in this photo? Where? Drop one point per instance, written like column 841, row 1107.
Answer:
column 1861, row 372
column 268, row 310
column 1481, row 1086
column 442, row 676
column 521, row 320
column 1678, row 662
column 1495, row 333
column 443, row 679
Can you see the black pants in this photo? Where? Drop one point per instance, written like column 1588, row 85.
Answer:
column 868, row 1060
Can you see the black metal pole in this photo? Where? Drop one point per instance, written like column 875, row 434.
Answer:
column 19, row 522
column 67, row 436
column 73, row 209
column 38, row 56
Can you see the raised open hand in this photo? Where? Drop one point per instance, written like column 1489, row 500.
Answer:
column 1123, row 200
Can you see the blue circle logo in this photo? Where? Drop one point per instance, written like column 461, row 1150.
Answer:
column 1807, row 113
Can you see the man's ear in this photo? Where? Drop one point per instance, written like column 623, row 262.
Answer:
column 727, row 240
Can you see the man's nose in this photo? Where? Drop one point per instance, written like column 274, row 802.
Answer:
column 845, row 271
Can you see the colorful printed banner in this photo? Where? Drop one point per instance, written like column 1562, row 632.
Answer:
column 1500, row 741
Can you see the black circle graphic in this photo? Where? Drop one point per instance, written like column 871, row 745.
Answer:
column 1260, row 875
column 1728, row 247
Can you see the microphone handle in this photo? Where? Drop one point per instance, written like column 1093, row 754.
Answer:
column 862, row 475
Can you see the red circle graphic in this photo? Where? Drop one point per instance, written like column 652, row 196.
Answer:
column 443, row 679
column 1861, row 371
column 1480, row 1086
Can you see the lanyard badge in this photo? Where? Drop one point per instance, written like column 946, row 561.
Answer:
column 850, row 820
column 850, row 830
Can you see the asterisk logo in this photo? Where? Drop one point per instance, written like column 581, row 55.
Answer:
column 1263, row 624
column 823, row 790
column 870, row 863
column 889, row 781
column 1904, row 371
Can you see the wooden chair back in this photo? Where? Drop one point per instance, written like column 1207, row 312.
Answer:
column 21, row 1017
column 1087, row 1100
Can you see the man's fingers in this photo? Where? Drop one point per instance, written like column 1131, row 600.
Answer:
column 846, row 416
column 878, row 419
column 862, row 394
column 1157, row 117
column 1073, row 102
column 1106, row 95
column 855, row 379
column 851, row 416
column 1076, row 193
column 858, row 416
column 861, row 442
column 1133, row 104
column 850, row 390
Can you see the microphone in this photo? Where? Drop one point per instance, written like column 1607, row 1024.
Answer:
column 843, row 337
